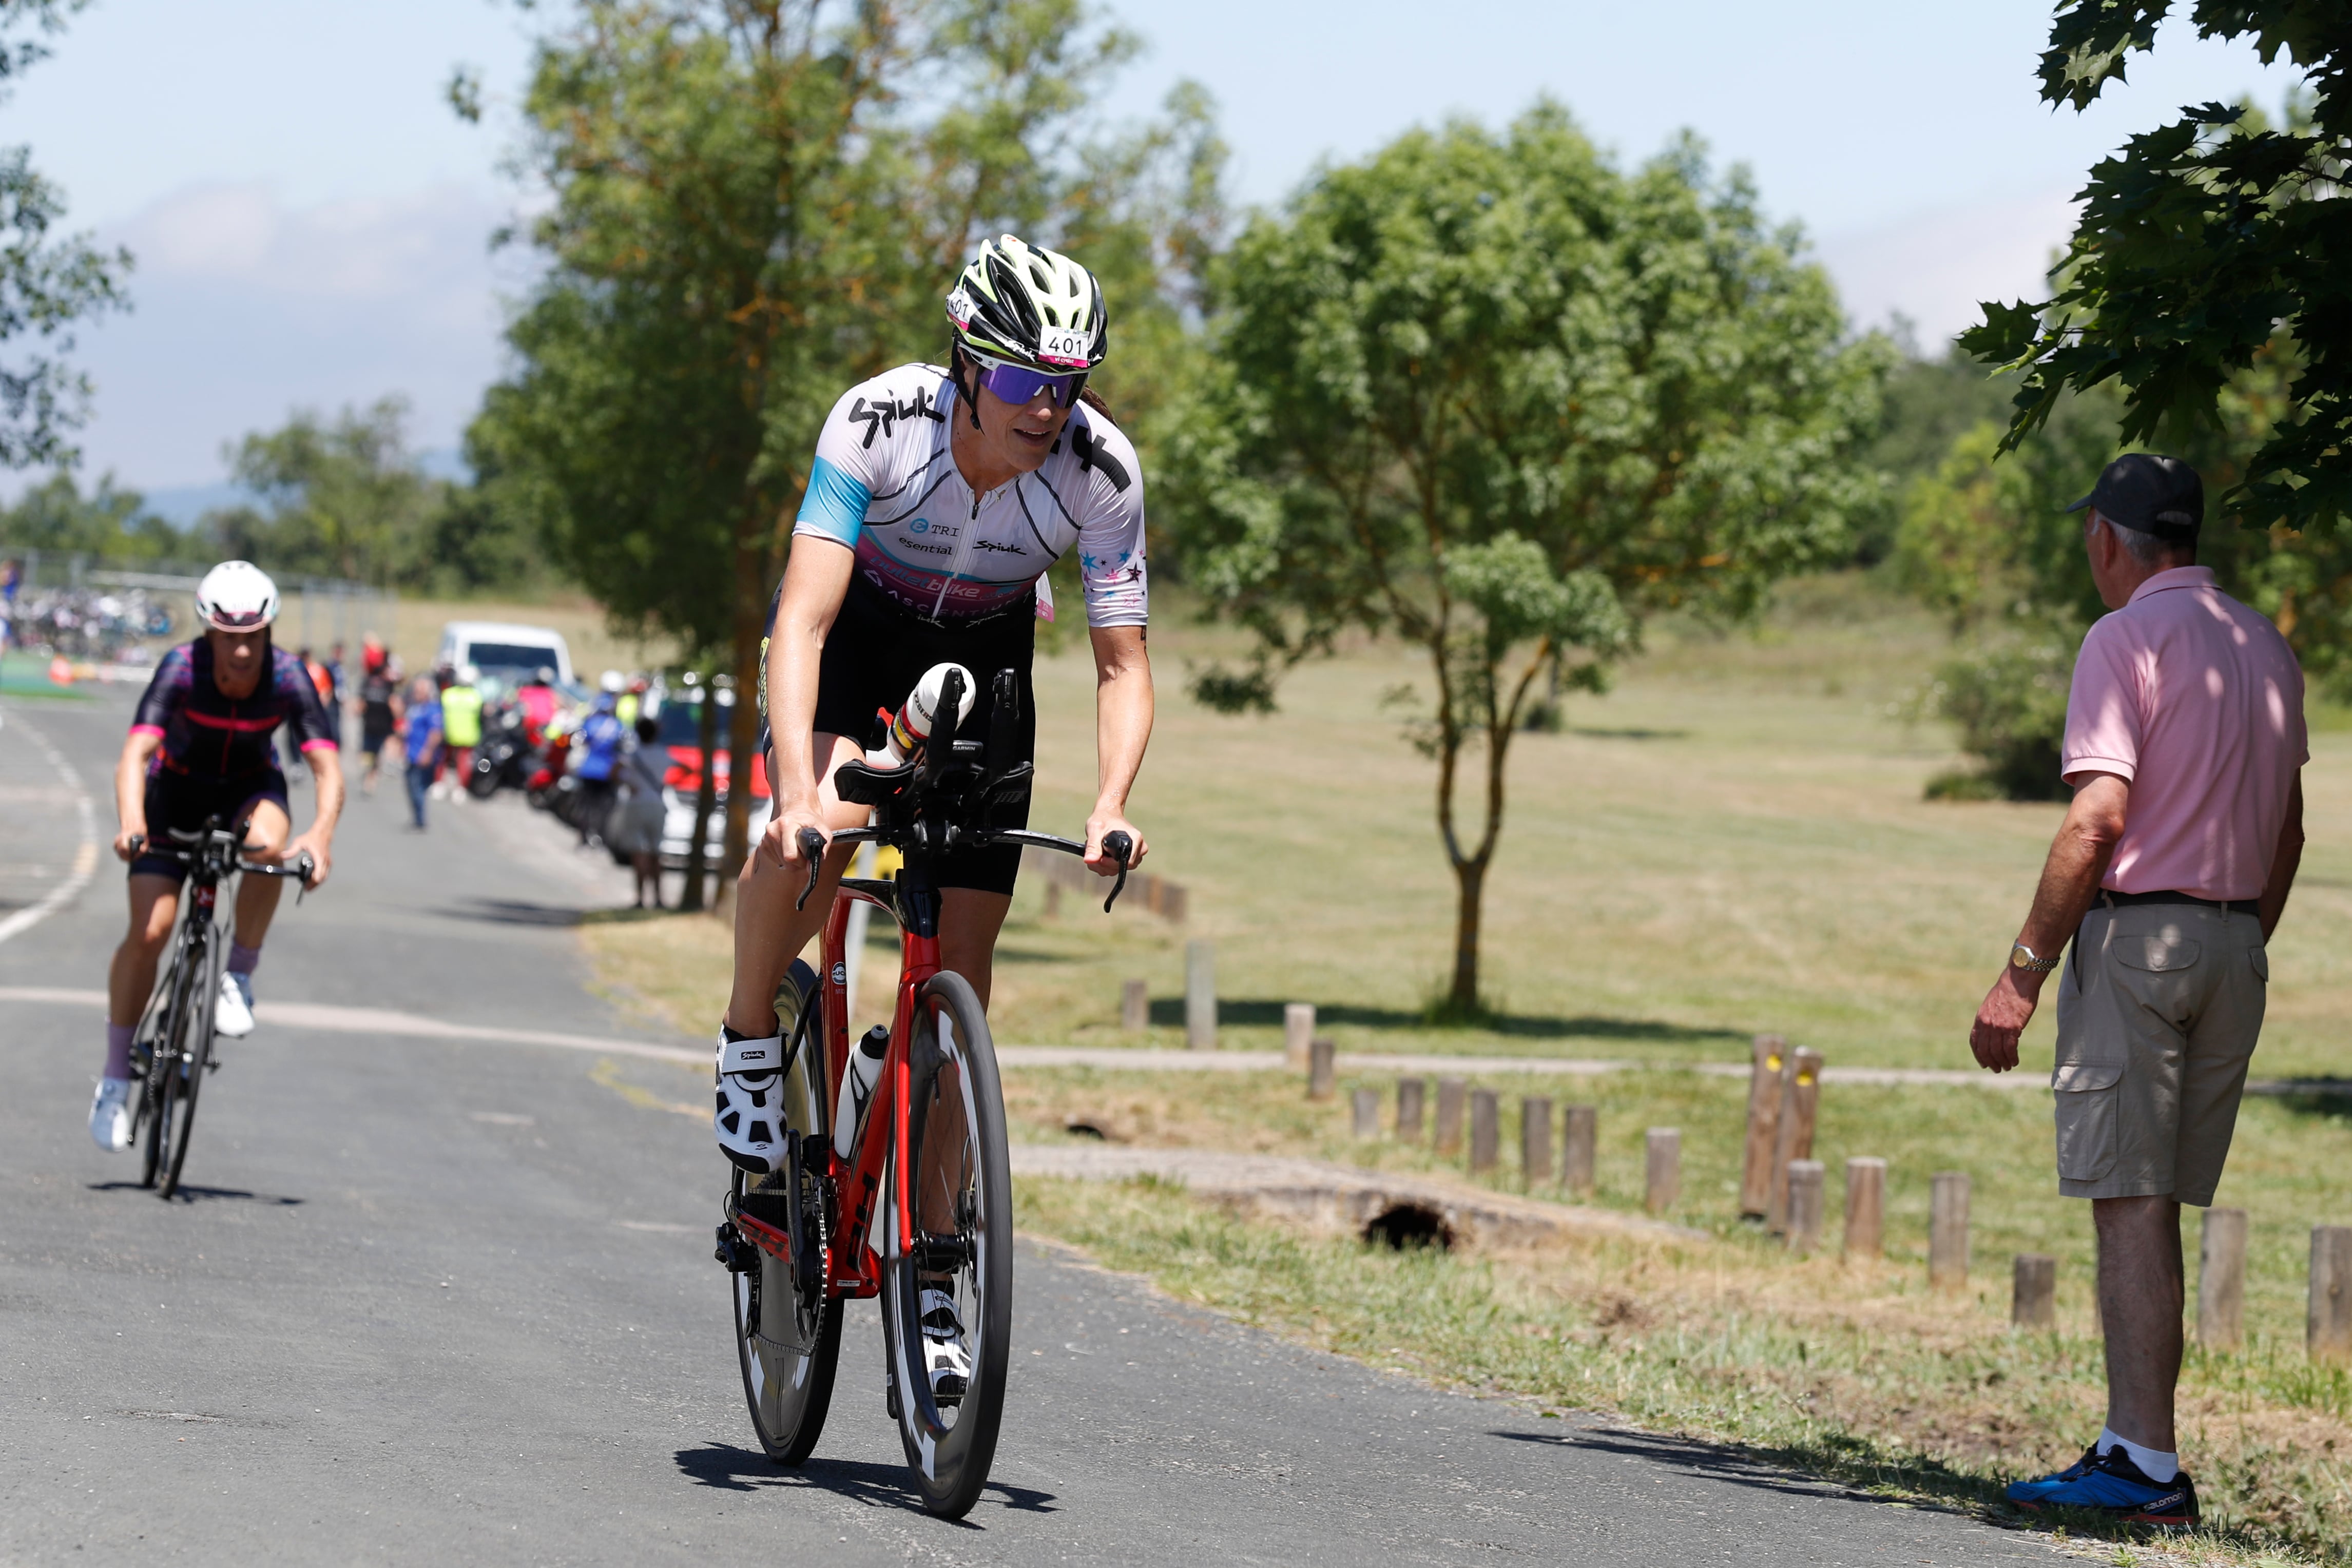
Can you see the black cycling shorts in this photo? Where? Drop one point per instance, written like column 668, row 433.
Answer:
column 873, row 657
column 184, row 800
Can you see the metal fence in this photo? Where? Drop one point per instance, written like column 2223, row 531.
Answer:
column 84, row 606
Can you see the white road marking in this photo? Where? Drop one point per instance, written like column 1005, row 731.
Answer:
column 85, row 862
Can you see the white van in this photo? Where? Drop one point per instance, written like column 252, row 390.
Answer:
column 510, row 653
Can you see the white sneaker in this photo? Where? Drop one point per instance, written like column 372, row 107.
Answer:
column 233, row 1016
column 110, row 1115
column 944, row 1348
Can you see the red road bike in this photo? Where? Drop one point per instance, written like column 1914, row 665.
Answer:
column 919, row 1208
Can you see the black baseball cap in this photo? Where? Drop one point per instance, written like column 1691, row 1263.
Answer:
column 2149, row 493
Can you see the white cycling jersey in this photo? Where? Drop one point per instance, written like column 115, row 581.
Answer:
column 885, row 485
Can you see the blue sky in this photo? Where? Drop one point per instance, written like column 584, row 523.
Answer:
column 311, row 220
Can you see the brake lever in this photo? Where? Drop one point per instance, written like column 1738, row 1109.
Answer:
column 304, row 865
column 812, row 843
column 1119, row 846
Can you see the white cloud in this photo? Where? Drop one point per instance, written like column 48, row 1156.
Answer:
column 246, row 308
column 1934, row 267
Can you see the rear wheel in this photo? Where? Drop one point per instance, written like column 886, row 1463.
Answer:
column 190, row 1052
column 787, row 1322
column 947, row 1307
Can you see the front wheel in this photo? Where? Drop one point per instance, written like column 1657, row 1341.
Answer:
column 947, row 1304
column 184, row 1052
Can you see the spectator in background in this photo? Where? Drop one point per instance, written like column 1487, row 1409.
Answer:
column 338, row 680
column 636, row 822
column 539, row 704
column 461, row 725
column 12, row 576
column 631, row 702
column 2185, row 743
column 379, row 711
column 421, row 734
column 600, row 760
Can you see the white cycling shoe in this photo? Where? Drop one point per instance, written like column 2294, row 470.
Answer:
column 110, row 1115
column 234, row 1014
column 944, row 1355
column 748, row 1123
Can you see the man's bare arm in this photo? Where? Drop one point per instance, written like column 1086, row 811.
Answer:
column 2070, row 879
column 130, row 790
column 2284, row 860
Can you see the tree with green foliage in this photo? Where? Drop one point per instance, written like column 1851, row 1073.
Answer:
column 107, row 523
column 47, row 282
column 1492, row 396
column 340, row 499
column 753, row 204
column 2206, row 248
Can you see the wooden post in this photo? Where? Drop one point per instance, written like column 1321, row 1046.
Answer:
column 1052, row 899
column 1451, row 1093
column 1805, row 1180
column 1666, row 1169
column 1770, row 1065
column 1410, row 1092
column 1580, row 1135
column 2328, row 1331
column 1297, row 1029
column 1368, row 1112
column 1793, row 1137
column 1134, row 1006
column 1200, row 995
column 2033, row 1291
column 2222, row 1279
column 1866, row 1207
column 1320, row 1068
column 1535, row 1140
column 1486, row 1131
column 1947, row 1231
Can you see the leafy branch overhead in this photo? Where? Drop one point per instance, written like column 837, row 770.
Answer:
column 2202, row 245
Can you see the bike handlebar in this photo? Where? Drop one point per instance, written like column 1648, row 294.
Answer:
column 188, row 848
column 1116, row 844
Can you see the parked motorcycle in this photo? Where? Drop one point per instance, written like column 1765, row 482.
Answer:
column 504, row 759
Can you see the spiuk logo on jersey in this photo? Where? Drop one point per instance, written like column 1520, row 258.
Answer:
column 878, row 417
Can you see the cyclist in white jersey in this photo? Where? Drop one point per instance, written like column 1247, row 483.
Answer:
column 939, row 497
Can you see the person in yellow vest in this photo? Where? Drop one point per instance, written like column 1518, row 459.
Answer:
column 631, row 702
column 461, row 731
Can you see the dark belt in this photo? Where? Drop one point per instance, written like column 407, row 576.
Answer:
column 2114, row 900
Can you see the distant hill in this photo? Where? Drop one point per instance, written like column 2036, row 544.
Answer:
column 182, row 505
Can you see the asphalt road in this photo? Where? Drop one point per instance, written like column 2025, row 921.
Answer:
column 433, row 1300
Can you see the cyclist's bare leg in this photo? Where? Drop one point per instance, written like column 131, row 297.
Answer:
column 154, row 903
column 970, row 922
column 768, row 932
column 257, row 897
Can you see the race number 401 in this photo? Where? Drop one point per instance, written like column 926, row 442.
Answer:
column 1065, row 345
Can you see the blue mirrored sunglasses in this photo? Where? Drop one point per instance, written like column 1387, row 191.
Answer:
column 1020, row 387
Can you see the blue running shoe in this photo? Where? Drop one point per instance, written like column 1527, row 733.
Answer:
column 2113, row 1486
column 2026, row 1491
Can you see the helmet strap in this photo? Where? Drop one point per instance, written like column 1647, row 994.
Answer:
column 958, row 363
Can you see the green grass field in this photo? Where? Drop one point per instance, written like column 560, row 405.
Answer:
column 1733, row 840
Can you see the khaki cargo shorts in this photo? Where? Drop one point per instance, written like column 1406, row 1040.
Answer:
column 2158, row 1016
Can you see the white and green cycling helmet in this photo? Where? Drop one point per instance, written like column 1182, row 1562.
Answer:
column 1018, row 306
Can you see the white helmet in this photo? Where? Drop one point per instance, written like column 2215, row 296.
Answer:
column 469, row 674
column 237, row 596
column 612, row 680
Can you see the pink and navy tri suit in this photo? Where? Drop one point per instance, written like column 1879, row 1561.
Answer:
column 218, row 757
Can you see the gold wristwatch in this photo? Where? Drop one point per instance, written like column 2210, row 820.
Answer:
column 2021, row 956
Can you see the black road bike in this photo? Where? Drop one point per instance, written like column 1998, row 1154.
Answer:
column 173, row 1048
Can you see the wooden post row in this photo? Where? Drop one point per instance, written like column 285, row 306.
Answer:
column 1793, row 1134
column 1580, row 1135
column 1486, row 1131
column 1866, row 1207
column 1805, row 1180
column 1769, row 1066
column 1321, row 1068
column 2327, row 1332
column 1665, row 1169
column 1200, row 995
column 1368, row 1112
column 1450, row 1092
column 1410, row 1093
column 1947, row 1231
column 2222, row 1279
column 1535, row 1140
column 1297, row 1030
column 2033, row 1291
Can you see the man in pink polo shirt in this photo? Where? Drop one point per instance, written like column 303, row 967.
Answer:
column 2184, row 741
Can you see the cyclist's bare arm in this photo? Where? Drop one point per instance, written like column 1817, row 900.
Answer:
column 817, row 579
column 1122, row 729
column 130, row 790
column 327, row 772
